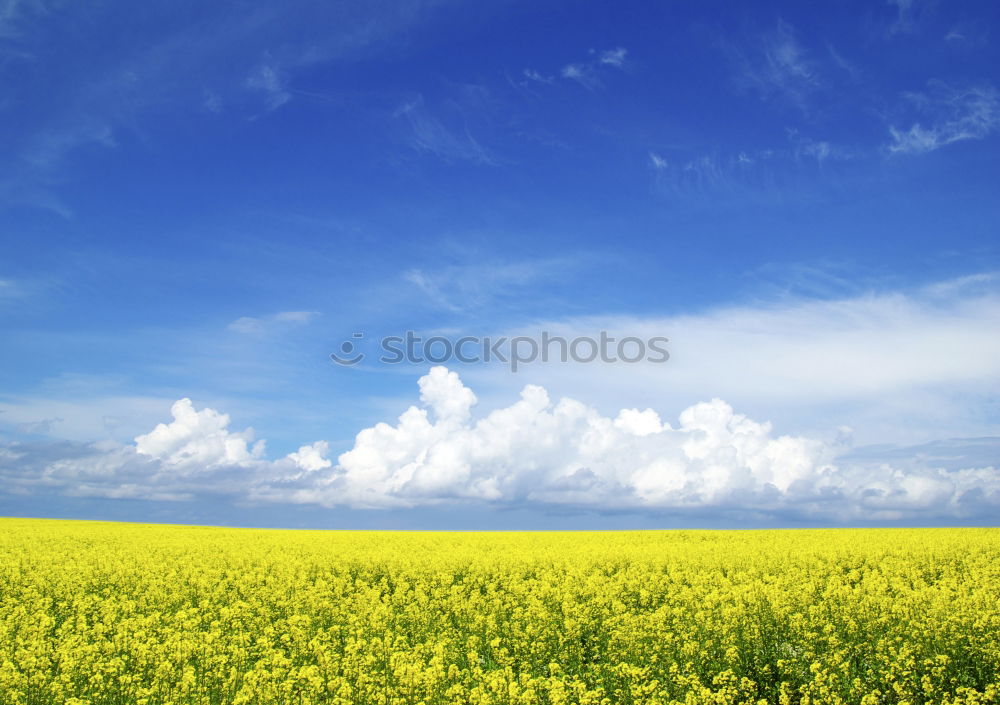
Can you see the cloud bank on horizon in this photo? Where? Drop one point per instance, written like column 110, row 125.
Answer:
column 535, row 452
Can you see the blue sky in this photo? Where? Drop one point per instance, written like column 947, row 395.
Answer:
column 202, row 201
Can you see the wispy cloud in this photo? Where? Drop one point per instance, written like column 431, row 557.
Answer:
column 40, row 427
column 13, row 12
column 613, row 57
column 968, row 35
column 821, row 151
column 952, row 114
column 269, row 80
column 82, row 415
column 709, row 177
column 905, row 20
column 469, row 286
column 657, row 161
column 955, row 34
column 212, row 101
column 776, row 65
column 49, row 148
column 750, row 173
column 430, row 135
column 589, row 73
column 33, row 172
column 22, row 290
column 584, row 74
column 264, row 324
column 174, row 68
column 533, row 75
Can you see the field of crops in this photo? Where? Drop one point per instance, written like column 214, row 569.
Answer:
column 104, row 613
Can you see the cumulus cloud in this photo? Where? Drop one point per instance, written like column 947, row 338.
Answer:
column 199, row 440
column 545, row 452
column 312, row 457
column 194, row 456
column 535, row 452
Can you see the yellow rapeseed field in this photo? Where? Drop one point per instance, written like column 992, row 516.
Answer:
column 103, row 613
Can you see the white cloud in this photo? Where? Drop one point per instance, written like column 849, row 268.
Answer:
column 262, row 324
column 467, row 285
column 430, row 135
column 956, row 115
column 10, row 290
column 268, row 79
column 443, row 392
column 756, row 174
column 894, row 356
column 84, row 414
column 312, row 457
column 563, row 452
column 968, row 34
column 587, row 73
column 534, row 452
column 41, row 427
column 613, row 57
column 582, row 74
column 905, row 21
column 777, row 65
column 212, row 101
column 638, row 423
column 198, row 440
column 899, row 367
column 9, row 10
column 537, row 451
column 48, row 149
column 711, row 177
column 533, row 75
column 159, row 70
column 820, row 150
